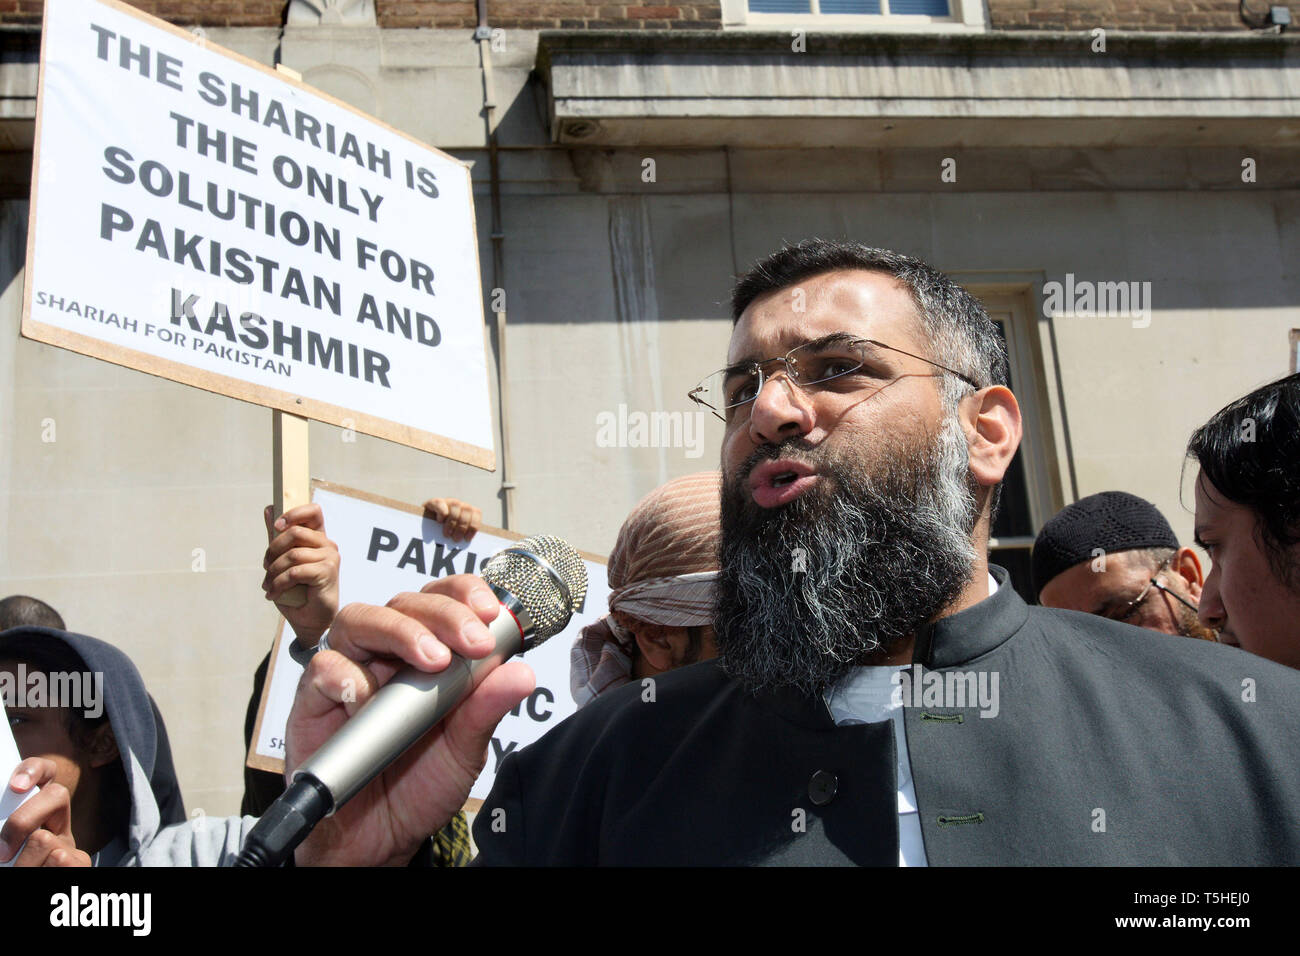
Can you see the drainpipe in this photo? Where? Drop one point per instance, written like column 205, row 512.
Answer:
column 483, row 34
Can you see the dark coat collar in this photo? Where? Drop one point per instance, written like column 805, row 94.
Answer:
column 949, row 642
column 975, row 631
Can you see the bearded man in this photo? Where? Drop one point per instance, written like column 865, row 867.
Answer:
column 864, row 640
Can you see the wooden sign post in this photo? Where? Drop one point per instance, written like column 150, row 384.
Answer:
column 290, row 461
column 291, row 479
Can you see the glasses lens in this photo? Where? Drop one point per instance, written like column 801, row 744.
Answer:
column 808, row 365
column 819, row 363
column 1131, row 609
column 727, row 388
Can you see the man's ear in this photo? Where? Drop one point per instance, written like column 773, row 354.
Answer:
column 1186, row 563
column 655, row 646
column 991, row 420
column 102, row 746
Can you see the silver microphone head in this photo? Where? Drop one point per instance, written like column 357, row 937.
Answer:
column 547, row 577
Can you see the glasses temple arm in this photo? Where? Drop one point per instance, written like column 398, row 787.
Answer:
column 1177, row 597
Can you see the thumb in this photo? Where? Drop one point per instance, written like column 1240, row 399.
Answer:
column 268, row 516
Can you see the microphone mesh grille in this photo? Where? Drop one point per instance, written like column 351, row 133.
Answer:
column 527, row 579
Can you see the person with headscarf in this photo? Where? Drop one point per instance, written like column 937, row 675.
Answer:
column 661, row 577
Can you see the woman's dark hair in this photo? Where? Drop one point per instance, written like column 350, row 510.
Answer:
column 1250, row 452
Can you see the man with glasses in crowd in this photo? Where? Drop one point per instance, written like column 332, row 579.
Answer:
column 868, row 426
column 1113, row 554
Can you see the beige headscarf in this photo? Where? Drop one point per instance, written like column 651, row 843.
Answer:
column 662, row 570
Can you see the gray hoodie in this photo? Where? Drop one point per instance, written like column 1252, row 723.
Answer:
column 201, row 841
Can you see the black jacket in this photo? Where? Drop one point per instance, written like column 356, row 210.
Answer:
column 1111, row 745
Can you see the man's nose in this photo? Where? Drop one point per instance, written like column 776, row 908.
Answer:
column 781, row 409
column 1210, row 609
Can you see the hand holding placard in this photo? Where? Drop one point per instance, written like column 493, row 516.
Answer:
column 300, row 557
column 460, row 520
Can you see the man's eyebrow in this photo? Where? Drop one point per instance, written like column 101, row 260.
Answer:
column 825, row 341
column 744, row 365
column 840, row 338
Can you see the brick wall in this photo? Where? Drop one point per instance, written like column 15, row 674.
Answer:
column 1174, row 15
column 551, row 14
column 1170, row 15
column 451, row 14
column 215, row 13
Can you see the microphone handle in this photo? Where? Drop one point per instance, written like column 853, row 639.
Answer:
column 404, row 710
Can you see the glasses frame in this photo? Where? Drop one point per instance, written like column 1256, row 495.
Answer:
column 761, row 367
column 1132, row 605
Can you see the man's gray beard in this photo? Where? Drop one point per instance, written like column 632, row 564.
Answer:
column 881, row 555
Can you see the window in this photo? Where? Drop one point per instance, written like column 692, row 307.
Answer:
column 854, row 15
column 929, row 8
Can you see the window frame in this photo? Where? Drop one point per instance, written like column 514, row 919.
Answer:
column 965, row 16
column 1045, row 447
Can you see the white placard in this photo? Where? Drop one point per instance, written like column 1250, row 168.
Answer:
column 386, row 549
column 200, row 217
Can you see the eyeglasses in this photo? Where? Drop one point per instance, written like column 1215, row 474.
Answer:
column 838, row 356
column 1131, row 607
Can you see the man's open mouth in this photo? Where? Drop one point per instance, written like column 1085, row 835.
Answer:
column 774, row 483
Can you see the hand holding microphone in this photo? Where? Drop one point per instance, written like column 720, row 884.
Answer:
column 336, row 746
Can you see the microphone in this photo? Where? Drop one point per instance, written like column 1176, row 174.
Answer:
column 540, row 582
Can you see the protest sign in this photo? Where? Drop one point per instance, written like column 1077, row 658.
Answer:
column 200, row 217
column 386, row 548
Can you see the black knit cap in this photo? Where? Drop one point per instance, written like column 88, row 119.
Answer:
column 1112, row 520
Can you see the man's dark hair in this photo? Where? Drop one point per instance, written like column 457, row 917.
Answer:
column 964, row 336
column 1250, row 451
column 19, row 610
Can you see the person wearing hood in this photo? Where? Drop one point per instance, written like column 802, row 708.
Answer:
column 81, row 703
column 19, row 609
